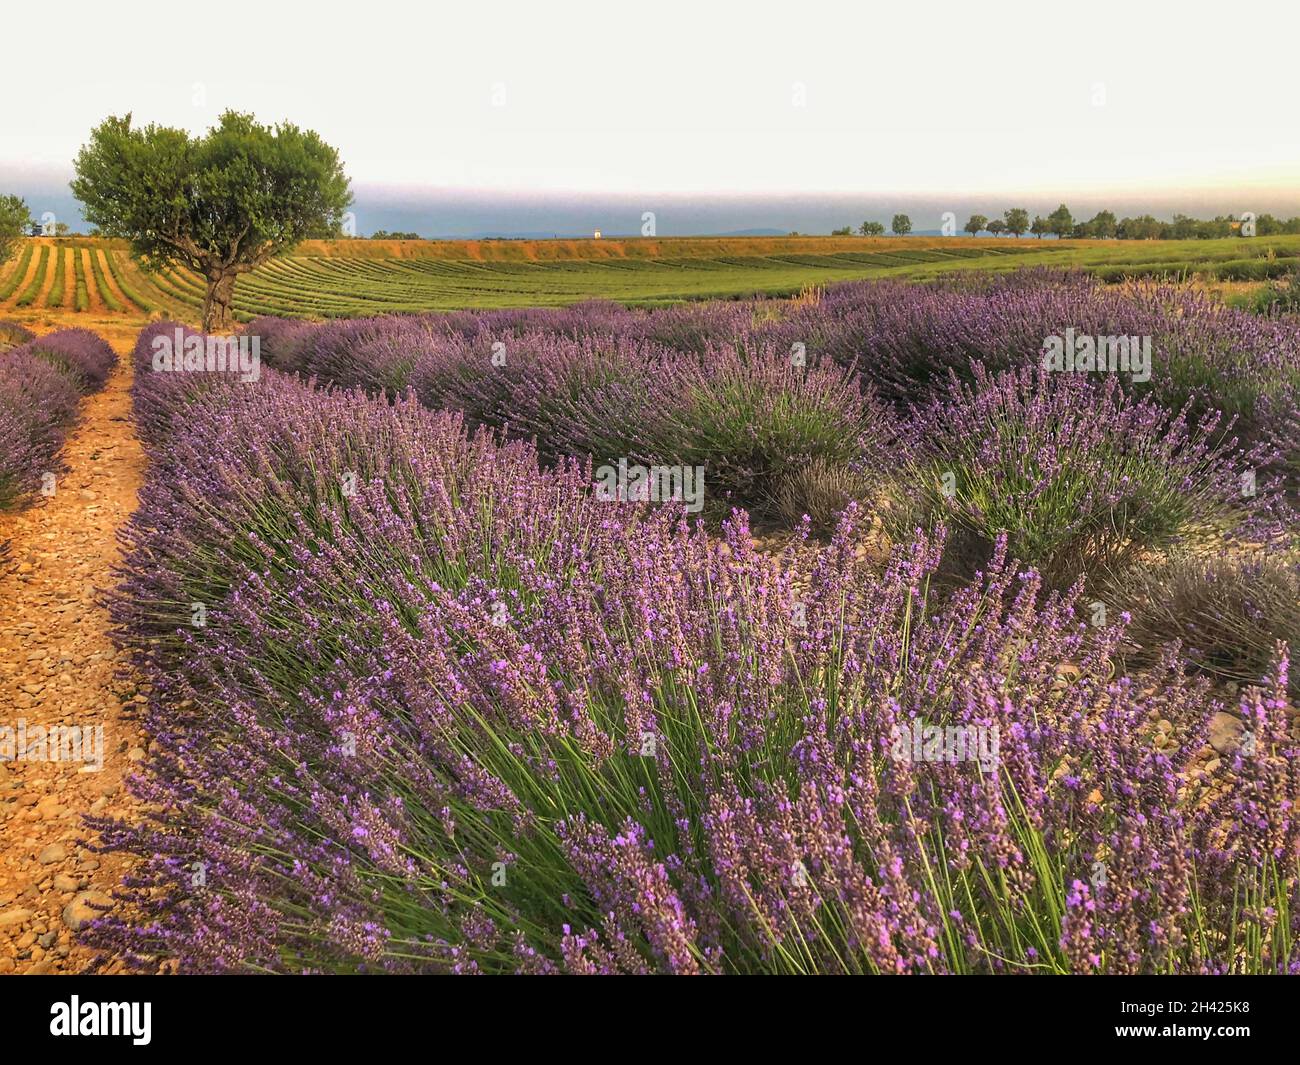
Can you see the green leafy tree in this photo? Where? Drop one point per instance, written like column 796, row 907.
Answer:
column 1060, row 222
column 843, row 231
column 221, row 204
column 1103, row 226
column 872, row 229
column 1144, row 227
column 15, row 218
column 975, row 224
column 1267, row 226
column 1017, row 221
column 1039, row 227
column 901, row 225
column 997, row 227
column 1219, row 226
column 1184, row 227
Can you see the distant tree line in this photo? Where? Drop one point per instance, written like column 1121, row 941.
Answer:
column 1105, row 226
column 901, row 226
column 1102, row 226
column 383, row 234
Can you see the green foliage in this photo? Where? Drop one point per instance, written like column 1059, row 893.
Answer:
column 19, row 272
column 14, row 220
column 1060, row 222
column 83, row 293
column 55, row 298
column 37, row 283
column 127, row 289
column 977, row 223
column 101, row 284
column 901, row 225
column 1103, row 226
column 1017, row 221
column 244, row 192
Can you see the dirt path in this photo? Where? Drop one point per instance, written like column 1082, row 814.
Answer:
column 57, row 668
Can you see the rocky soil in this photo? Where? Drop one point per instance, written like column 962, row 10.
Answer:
column 59, row 668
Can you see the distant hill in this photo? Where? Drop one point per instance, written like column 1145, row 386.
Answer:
column 607, row 235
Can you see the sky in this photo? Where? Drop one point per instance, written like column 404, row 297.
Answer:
column 550, row 115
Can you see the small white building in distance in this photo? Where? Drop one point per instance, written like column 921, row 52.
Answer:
column 596, row 236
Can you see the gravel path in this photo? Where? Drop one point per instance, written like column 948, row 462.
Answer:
column 60, row 689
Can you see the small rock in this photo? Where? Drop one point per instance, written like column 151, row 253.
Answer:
column 1225, row 732
column 14, row 917
column 55, row 852
column 85, row 908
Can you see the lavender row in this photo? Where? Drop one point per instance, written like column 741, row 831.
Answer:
column 797, row 408
column 41, row 382
column 420, row 702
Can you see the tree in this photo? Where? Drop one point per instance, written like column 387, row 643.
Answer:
column 1039, row 227
column 1144, row 227
column 872, row 229
column 1103, row 226
column 997, row 227
column 843, row 231
column 1184, row 227
column 901, row 225
column 1017, row 221
column 14, row 219
column 221, row 204
column 1267, row 226
column 1060, row 222
column 976, row 223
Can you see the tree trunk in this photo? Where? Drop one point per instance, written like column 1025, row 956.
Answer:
column 217, row 316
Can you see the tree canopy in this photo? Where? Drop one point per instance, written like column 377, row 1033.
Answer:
column 14, row 220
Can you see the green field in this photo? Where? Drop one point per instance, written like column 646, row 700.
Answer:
column 356, row 278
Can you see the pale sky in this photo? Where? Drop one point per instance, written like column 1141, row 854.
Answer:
column 696, row 97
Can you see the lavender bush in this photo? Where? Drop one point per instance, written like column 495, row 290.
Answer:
column 1081, row 478
column 82, row 355
column 748, row 413
column 157, row 394
column 12, row 334
column 41, row 382
column 1227, row 611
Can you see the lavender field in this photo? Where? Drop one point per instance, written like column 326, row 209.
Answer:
column 891, row 629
